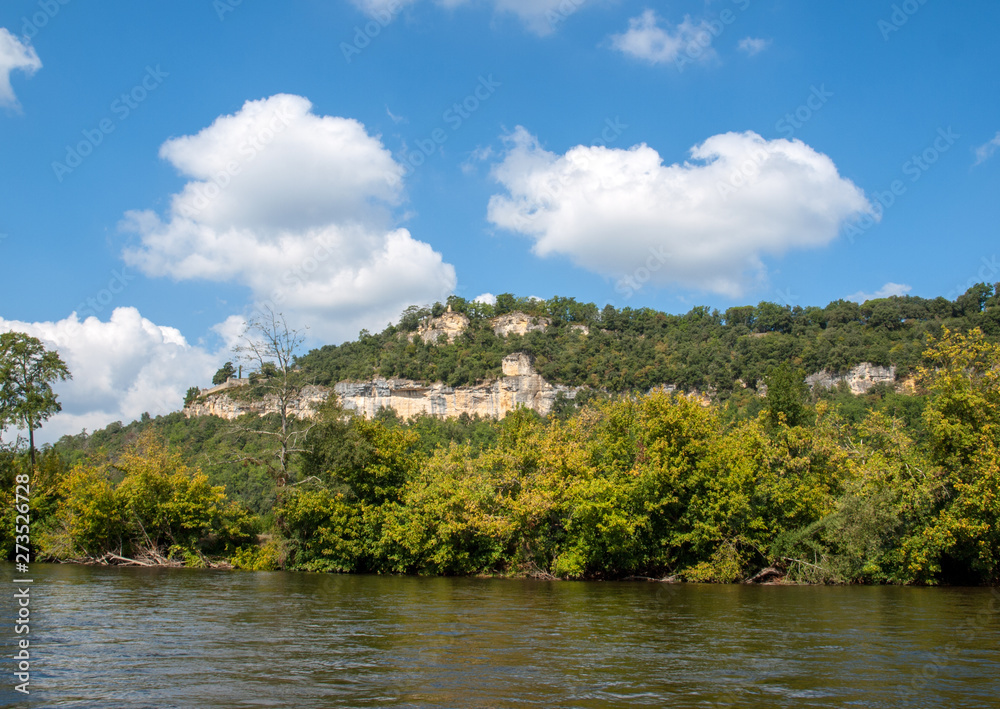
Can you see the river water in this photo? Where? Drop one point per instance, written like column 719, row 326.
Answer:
column 203, row 639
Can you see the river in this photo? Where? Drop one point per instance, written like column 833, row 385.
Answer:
column 163, row 638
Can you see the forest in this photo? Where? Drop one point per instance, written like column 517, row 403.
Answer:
column 637, row 349
column 820, row 486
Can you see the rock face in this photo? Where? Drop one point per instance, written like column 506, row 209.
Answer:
column 450, row 324
column 518, row 323
column 859, row 380
column 520, row 386
column 217, row 402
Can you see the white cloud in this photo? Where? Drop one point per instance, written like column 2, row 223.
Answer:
column 298, row 208
column 753, row 45
column 396, row 119
column 477, row 156
column 540, row 16
column 985, row 151
column 886, row 291
column 14, row 55
column 487, row 298
column 383, row 9
column 624, row 214
column 121, row 368
column 646, row 40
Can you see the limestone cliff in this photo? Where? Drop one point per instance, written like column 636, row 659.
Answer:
column 520, row 385
column 450, row 324
column 220, row 402
column 859, row 380
column 518, row 323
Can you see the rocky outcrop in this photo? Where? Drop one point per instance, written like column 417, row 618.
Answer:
column 220, row 402
column 520, row 386
column 518, row 323
column 859, row 380
column 450, row 324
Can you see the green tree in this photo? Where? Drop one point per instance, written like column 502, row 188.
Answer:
column 27, row 371
column 787, row 394
column 962, row 417
column 224, row 374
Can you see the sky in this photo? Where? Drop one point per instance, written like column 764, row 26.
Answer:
column 169, row 169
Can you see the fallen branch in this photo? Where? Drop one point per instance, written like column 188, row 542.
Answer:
column 126, row 560
column 765, row 575
column 799, row 561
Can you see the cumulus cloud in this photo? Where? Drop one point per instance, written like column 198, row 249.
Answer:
column 703, row 224
column 753, row 45
column 985, row 152
column 121, row 368
column 540, row 16
column 487, row 298
column 297, row 207
column 646, row 40
column 14, row 55
column 886, row 291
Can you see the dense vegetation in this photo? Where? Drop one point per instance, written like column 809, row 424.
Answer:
column 638, row 349
column 827, row 487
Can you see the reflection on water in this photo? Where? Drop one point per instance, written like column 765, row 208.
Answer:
column 179, row 638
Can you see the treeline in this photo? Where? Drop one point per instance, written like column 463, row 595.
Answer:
column 816, row 489
column 637, row 349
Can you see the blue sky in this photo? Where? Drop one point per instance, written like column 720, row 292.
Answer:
column 165, row 168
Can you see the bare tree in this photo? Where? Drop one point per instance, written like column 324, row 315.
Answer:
column 269, row 347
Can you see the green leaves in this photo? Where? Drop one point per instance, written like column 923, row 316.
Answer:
column 158, row 504
column 649, row 485
column 787, row 395
column 27, row 371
